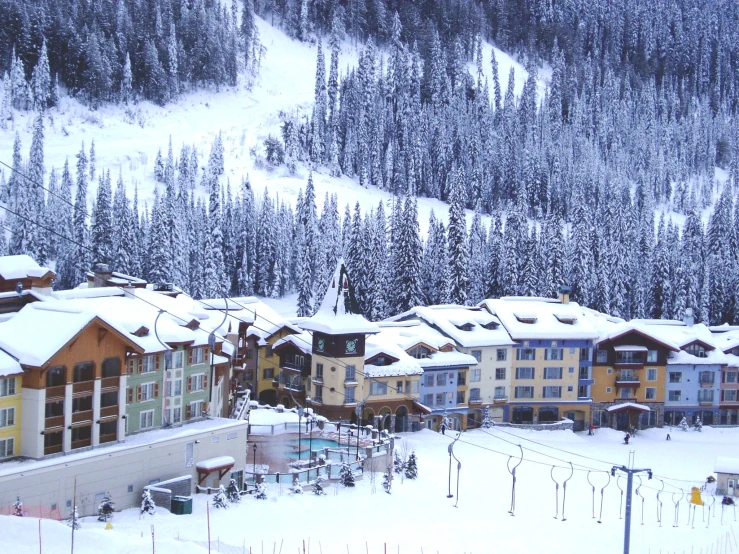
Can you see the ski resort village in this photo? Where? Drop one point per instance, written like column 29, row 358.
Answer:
column 369, row 276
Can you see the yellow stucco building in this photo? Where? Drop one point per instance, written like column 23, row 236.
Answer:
column 11, row 398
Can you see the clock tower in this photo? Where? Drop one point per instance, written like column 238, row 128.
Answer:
column 337, row 382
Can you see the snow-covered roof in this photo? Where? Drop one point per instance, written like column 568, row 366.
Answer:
column 9, row 365
column 335, row 315
column 630, row 348
column 213, row 464
column 724, row 464
column 629, row 406
column 303, row 341
column 542, row 318
column 21, row 266
column 467, row 326
column 262, row 319
column 679, row 336
column 639, row 327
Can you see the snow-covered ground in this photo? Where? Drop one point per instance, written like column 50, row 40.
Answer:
column 127, row 138
column 418, row 517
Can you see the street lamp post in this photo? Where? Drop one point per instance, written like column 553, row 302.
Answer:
column 300, row 425
column 310, row 433
column 358, row 411
column 254, row 466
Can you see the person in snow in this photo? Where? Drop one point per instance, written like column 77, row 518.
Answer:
column 443, row 427
column 627, row 436
column 591, row 429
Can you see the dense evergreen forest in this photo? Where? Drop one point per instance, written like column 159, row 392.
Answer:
column 639, row 112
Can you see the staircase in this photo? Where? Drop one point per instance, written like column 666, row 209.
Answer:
column 241, row 406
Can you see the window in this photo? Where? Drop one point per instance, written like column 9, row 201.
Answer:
column 629, row 357
column 500, row 392
column 7, row 386
column 428, row 399
column 552, row 373
column 196, row 409
column 441, row 379
column 268, row 351
column 197, row 355
column 477, row 354
column 584, row 354
column 350, row 373
column 674, row 395
column 84, row 371
column 696, row 350
column 147, row 364
column 729, row 395
column 439, row 399
column 583, row 391
column 6, row 448
column 54, row 409
column 146, row 391
column 625, row 392
column 419, row 352
column 108, row 399
column 475, row 395
column 349, row 396
column 461, row 379
column 319, row 371
column 177, row 361
column 197, row 382
column 378, row 388
column 651, row 393
column 501, row 355
column 108, row 428
column 601, row 356
column 526, row 354
column 111, row 367
column 652, row 356
column 55, row 376
column 146, row 419
column 552, row 392
column 730, row 376
column 414, row 387
column 399, row 387
column 173, row 387
column 475, row 375
column 524, row 373
column 83, row 433
column 609, row 390
column 570, row 388
column 460, row 397
column 553, row 353
column 705, row 396
column 7, row 417
column 524, row 392
column 82, row 404
column 571, row 370
column 584, row 373
column 676, row 377
column 706, row 377
column 318, row 396
column 428, row 380
column 248, row 354
column 499, row 373
column 651, row 374
column 269, row 373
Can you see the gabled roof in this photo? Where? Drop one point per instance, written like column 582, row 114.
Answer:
column 636, row 327
column 9, row 365
column 485, row 329
column 542, row 318
column 303, row 341
column 22, row 266
column 264, row 322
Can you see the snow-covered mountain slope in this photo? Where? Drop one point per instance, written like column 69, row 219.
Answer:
column 127, row 138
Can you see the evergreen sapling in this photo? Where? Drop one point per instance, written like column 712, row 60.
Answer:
column 233, row 493
column 698, row 425
column 411, row 467
column 147, row 504
column 346, row 477
column 106, row 509
column 398, row 465
column 74, row 519
column 387, row 480
column 261, row 492
column 18, row 507
column 219, row 498
column 317, row 488
column 487, row 420
column 683, row 424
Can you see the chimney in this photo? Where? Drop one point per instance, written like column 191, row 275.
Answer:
column 564, row 294
column 102, row 273
column 689, row 318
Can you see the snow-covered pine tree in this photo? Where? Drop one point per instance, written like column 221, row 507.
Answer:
column 261, row 492
column 683, row 425
column 458, row 243
column 79, row 221
column 18, row 507
column 62, row 224
column 41, row 80
column 346, row 476
column 698, row 425
column 232, row 492
column 147, row 503
column 317, row 488
column 102, row 226
column 106, row 509
column 220, row 498
column 159, row 167
column 73, row 520
column 387, row 480
column 398, row 465
column 296, row 487
column 487, row 420
column 411, row 467
column 127, row 81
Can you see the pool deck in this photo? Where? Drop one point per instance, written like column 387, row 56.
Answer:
column 271, row 448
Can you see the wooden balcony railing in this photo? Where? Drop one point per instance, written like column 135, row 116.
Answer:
column 81, row 443
column 78, row 417
column 84, row 386
column 109, row 411
column 108, row 438
column 55, row 392
column 54, row 421
column 54, row 449
column 110, row 382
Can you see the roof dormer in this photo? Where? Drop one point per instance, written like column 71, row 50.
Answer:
column 526, row 318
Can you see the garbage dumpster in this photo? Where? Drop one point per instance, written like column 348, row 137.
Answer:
column 182, row 505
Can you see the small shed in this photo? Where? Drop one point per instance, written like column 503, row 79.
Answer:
column 727, row 476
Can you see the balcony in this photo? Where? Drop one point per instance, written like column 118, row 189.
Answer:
column 707, row 381
column 289, row 381
column 318, row 379
column 53, row 449
column 705, row 399
column 475, row 401
column 55, row 392
column 110, row 382
column 79, row 417
column 83, row 387
column 82, row 443
column 499, row 398
column 108, row 438
column 351, row 382
column 627, row 379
